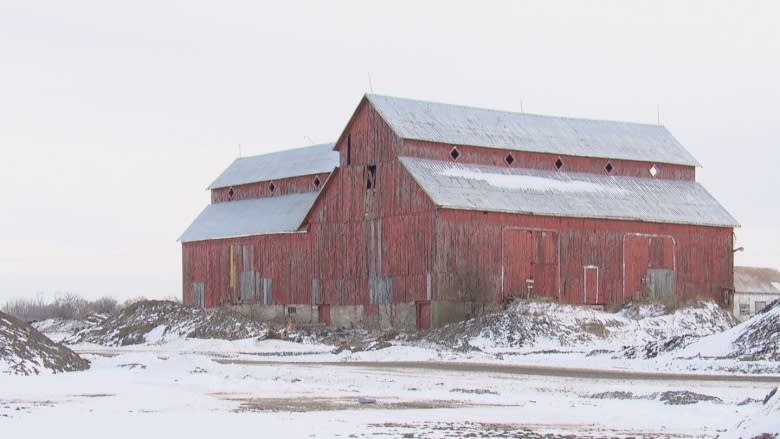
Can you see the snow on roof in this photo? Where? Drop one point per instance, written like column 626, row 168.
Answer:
column 411, row 119
column 756, row 280
column 258, row 216
column 500, row 189
column 309, row 160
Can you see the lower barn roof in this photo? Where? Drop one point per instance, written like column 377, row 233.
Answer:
column 309, row 160
column 553, row 193
column 261, row 216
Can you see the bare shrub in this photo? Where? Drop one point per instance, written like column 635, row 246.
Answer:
column 68, row 306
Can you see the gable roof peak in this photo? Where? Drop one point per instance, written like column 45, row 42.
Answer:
column 462, row 125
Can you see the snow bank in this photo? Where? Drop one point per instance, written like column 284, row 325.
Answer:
column 765, row 423
column 752, row 340
column 60, row 329
column 25, row 351
column 529, row 327
column 155, row 321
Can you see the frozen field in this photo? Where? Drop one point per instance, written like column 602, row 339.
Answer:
column 533, row 370
column 247, row 387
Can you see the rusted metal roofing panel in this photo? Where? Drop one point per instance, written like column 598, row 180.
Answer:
column 436, row 122
column 276, row 165
column 756, row 280
column 259, row 216
column 516, row 190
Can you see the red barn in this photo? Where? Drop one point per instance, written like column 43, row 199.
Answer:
column 424, row 213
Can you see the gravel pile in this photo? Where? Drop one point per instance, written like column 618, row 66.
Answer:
column 154, row 321
column 759, row 337
column 25, row 351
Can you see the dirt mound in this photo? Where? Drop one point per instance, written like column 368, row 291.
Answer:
column 61, row 329
column 153, row 321
column 25, row 351
column 548, row 326
column 759, row 337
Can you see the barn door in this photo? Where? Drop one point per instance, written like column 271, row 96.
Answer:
column 516, row 262
column 198, row 294
column 530, row 262
column 423, row 308
column 659, row 283
column 323, row 313
column 544, row 264
column 591, row 282
column 649, row 267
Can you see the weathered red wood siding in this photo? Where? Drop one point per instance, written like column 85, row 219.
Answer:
column 219, row 264
column 471, row 248
column 262, row 189
column 373, row 245
column 535, row 160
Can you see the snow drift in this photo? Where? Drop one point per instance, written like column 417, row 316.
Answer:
column 25, row 351
column 154, row 321
column 753, row 340
column 531, row 326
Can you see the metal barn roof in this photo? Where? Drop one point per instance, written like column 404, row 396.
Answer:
column 489, row 188
column 756, row 280
column 258, row 216
column 309, row 160
column 412, row 119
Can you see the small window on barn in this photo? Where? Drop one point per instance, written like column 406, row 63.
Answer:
column 231, row 192
column 759, row 306
column 272, row 187
column 317, row 182
column 371, row 177
column 653, row 171
column 509, row 159
column 558, row 163
column 454, row 153
column 744, row 309
column 609, row 168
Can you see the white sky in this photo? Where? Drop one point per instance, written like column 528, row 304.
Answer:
column 115, row 116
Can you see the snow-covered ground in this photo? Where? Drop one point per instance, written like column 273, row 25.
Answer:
column 536, row 370
column 204, row 388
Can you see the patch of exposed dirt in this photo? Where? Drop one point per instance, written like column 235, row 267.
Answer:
column 343, row 339
column 653, row 348
column 684, row 397
column 154, row 321
column 618, row 394
column 439, row 429
column 333, row 404
column 25, row 351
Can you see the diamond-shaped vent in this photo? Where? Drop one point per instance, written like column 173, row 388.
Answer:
column 558, row 164
column 317, row 182
column 272, row 187
column 454, row 153
column 653, row 170
column 609, row 168
column 509, row 159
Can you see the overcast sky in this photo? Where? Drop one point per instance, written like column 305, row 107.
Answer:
column 115, row 116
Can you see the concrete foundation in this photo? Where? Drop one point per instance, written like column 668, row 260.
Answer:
column 396, row 315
